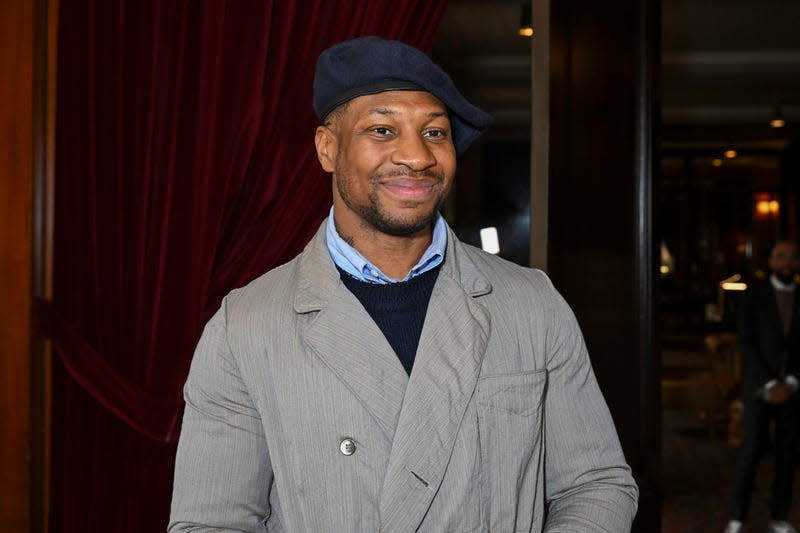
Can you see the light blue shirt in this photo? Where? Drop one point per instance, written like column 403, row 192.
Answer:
column 351, row 261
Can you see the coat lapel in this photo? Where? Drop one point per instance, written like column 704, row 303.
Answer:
column 771, row 309
column 444, row 377
column 420, row 415
column 795, row 322
column 346, row 338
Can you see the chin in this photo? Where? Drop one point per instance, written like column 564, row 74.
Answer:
column 404, row 230
column 402, row 227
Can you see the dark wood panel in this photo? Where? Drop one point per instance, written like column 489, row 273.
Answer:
column 16, row 173
column 44, row 118
column 600, row 238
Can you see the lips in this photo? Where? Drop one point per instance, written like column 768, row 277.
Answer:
column 410, row 188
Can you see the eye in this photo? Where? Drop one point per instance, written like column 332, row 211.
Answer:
column 435, row 134
column 381, row 131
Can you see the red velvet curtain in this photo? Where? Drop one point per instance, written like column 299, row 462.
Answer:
column 185, row 168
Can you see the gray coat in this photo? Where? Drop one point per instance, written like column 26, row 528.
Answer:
column 501, row 426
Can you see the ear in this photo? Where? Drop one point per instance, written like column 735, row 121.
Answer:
column 325, row 141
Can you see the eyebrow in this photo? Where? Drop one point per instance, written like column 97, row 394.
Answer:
column 387, row 111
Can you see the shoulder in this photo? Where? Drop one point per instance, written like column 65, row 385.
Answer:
column 758, row 289
column 523, row 298
column 271, row 290
column 508, row 278
column 309, row 272
column 528, row 313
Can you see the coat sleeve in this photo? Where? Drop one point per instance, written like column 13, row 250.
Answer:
column 222, row 473
column 588, row 484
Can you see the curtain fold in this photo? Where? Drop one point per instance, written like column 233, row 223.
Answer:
column 185, row 168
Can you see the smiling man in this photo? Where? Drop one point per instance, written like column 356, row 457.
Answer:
column 391, row 378
column 393, row 160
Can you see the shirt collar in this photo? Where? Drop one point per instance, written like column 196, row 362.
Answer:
column 778, row 285
column 351, row 261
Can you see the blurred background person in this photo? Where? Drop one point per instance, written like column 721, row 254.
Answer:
column 770, row 345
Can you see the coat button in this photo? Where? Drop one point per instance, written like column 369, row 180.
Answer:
column 347, row 447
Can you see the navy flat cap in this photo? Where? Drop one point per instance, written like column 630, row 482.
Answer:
column 369, row 65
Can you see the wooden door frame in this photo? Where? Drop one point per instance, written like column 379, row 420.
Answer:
column 27, row 127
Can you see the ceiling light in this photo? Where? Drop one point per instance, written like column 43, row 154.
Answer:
column 730, row 153
column 525, row 21
column 717, row 162
column 777, row 117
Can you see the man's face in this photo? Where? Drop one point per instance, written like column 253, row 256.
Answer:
column 784, row 261
column 393, row 161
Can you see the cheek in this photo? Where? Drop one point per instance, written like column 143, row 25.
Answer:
column 449, row 175
column 446, row 157
column 365, row 164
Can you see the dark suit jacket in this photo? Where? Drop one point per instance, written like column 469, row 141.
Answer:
column 766, row 352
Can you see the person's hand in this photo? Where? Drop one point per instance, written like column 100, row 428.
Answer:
column 778, row 393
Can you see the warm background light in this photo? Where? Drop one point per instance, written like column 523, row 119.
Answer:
column 777, row 116
column 777, row 123
column 730, row 153
column 741, row 247
column 525, row 28
column 774, row 207
column 730, row 286
column 733, row 283
column 766, row 206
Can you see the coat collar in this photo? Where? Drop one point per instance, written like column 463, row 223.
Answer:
column 318, row 278
column 420, row 415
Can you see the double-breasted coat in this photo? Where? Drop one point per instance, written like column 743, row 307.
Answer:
column 300, row 418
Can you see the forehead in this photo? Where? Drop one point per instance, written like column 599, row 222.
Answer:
column 400, row 103
column 784, row 249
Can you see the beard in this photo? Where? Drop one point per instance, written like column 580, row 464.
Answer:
column 785, row 277
column 373, row 213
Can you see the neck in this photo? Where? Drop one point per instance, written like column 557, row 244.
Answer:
column 394, row 255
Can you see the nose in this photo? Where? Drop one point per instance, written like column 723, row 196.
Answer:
column 413, row 152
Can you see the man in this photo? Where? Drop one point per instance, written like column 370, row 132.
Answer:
column 391, row 378
column 769, row 340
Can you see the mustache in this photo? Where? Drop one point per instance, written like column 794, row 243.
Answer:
column 408, row 173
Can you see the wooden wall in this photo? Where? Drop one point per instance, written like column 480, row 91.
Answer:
column 27, row 62
column 17, row 36
column 595, row 117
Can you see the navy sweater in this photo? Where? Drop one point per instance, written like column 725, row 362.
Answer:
column 397, row 308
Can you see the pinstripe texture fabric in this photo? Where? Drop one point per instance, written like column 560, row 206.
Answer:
column 500, row 427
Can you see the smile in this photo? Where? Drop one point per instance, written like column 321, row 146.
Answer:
column 410, row 189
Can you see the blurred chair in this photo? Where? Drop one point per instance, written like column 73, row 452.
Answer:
column 687, row 382
column 706, row 381
column 726, row 374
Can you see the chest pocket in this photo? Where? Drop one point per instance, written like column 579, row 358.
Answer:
column 510, row 433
